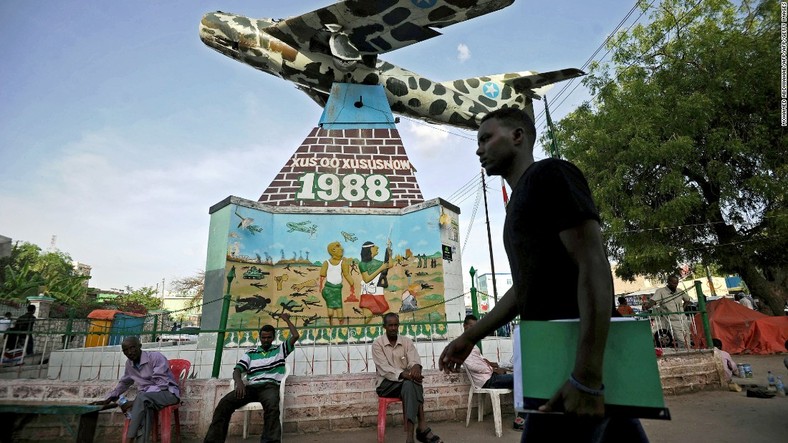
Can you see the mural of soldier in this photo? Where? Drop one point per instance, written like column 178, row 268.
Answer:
column 373, row 299
column 331, row 274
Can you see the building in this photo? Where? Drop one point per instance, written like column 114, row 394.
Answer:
column 5, row 246
column 181, row 309
column 83, row 270
column 485, row 292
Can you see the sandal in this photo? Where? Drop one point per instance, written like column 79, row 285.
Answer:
column 422, row 437
column 758, row 392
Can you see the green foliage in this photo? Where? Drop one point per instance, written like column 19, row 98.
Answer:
column 29, row 272
column 138, row 301
column 683, row 146
column 76, row 310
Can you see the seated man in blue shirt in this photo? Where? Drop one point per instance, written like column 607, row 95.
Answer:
column 264, row 367
column 150, row 371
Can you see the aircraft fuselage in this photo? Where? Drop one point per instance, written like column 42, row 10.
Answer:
column 460, row 103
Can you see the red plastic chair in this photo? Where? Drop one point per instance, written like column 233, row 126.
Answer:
column 180, row 369
column 383, row 405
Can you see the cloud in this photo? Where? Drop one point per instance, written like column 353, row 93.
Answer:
column 136, row 217
column 428, row 138
column 463, row 52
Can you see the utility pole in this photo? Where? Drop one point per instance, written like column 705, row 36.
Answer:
column 489, row 238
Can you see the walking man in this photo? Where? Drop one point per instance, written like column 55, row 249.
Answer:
column 560, row 271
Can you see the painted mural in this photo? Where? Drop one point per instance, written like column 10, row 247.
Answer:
column 335, row 269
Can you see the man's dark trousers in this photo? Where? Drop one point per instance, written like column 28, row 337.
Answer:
column 265, row 393
column 411, row 393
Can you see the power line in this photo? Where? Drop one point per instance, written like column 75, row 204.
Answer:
column 560, row 93
column 689, row 225
column 576, row 81
column 469, row 194
column 440, row 128
column 651, row 47
column 472, row 183
column 469, row 190
column 473, row 217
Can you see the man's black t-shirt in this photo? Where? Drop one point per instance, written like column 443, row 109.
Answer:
column 551, row 196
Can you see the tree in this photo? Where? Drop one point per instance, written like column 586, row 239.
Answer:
column 29, row 271
column 139, row 301
column 194, row 285
column 683, row 146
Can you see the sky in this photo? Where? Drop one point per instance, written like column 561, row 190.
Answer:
column 119, row 128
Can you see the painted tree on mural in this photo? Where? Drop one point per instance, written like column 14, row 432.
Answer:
column 683, row 145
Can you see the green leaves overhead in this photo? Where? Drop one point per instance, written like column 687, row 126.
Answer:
column 682, row 143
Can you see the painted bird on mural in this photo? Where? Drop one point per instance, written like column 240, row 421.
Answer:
column 245, row 221
column 247, row 224
column 341, row 42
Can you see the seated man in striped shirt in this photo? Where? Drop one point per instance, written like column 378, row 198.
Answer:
column 264, row 367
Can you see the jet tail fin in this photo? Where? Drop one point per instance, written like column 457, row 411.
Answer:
column 527, row 84
column 509, row 89
column 514, row 89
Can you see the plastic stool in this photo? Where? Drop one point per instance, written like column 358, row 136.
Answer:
column 383, row 405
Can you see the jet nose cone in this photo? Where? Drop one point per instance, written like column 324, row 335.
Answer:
column 210, row 25
column 217, row 33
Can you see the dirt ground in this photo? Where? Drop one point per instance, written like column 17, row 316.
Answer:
column 724, row 416
column 714, row 416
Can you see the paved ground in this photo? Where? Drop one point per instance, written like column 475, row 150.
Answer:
column 715, row 416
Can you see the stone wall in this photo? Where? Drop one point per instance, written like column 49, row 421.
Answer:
column 318, row 403
column 690, row 372
column 312, row 404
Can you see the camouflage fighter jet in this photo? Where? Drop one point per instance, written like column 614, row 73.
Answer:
column 341, row 43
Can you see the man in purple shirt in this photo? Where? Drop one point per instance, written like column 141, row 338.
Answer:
column 156, row 387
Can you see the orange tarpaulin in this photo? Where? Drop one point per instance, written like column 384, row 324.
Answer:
column 109, row 314
column 768, row 335
column 103, row 314
column 742, row 330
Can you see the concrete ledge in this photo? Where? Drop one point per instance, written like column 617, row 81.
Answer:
column 318, row 403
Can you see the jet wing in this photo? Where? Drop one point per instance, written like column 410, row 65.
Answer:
column 351, row 28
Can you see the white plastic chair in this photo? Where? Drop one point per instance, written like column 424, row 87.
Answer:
column 495, row 399
column 257, row 406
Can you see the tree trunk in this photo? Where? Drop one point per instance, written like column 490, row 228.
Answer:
column 772, row 293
